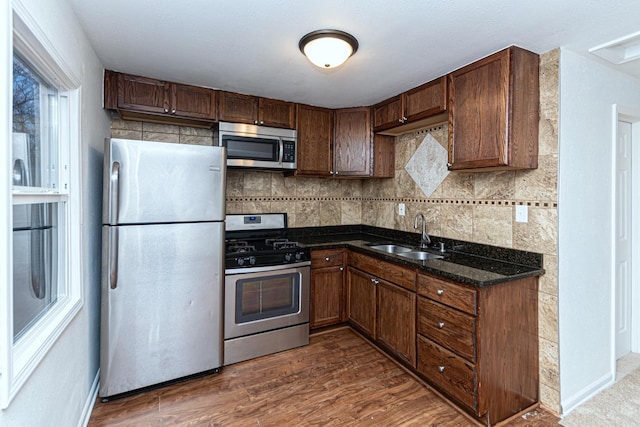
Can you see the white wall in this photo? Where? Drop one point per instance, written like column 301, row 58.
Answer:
column 588, row 91
column 58, row 391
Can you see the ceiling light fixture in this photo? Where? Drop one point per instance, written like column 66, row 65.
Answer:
column 328, row 48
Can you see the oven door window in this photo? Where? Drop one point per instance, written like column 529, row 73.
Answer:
column 267, row 297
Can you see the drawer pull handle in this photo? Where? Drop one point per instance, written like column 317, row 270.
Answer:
column 440, row 369
column 440, row 292
column 440, row 325
column 326, row 258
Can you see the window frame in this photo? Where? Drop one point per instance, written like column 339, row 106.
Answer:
column 18, row 360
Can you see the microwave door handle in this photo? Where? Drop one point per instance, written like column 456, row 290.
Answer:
column 281, row 146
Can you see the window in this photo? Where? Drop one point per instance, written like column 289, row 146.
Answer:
column 45, row 289
column 38, row 252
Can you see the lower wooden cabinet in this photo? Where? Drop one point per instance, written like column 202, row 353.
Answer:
column 327, row 288
column 479, row 345
column 396, row 330
column 361, row 301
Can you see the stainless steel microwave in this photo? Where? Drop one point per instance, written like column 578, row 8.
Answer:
column 251, row 146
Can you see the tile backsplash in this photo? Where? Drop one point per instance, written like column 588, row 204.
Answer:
column 476, row 207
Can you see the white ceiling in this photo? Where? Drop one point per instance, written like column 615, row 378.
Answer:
column 251, row 46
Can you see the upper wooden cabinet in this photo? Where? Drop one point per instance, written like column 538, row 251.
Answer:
column 239, row 108
column 353, row 142
column 315, row 141
column 143, row 98
column 409, row 110
column 340, row 144
column 494, row 113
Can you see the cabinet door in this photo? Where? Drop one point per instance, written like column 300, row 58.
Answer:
column 237, row 108
column 315, row 138
column 142, row 94
column 276, row 113
column 426, row 100
column 326, row 296
column 494, row 112
column 388, row 113
column 396, row 325
column 361, row 301
column 478, row 113
column 193, row 102
column 352, row 143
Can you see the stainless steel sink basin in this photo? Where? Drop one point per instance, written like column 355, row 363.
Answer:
column 392, row 249
column 421, row 255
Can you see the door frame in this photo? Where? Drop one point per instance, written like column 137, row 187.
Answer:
column 632, row 115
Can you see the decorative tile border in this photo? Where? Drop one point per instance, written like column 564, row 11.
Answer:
column 545, row 204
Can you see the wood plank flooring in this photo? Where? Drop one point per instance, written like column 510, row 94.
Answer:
column 339, row 379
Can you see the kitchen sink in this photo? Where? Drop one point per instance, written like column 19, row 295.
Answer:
column 421, row 255
column 390, row 248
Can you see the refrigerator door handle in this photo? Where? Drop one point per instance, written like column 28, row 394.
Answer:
column 114, row 192
column 113, row 257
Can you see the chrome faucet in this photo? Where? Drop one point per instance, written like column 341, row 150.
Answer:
column 424, row 240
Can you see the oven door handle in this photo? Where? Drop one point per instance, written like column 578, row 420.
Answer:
column 242, row 270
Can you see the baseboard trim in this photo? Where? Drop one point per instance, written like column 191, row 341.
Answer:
column 586, row 393
column 91, row 400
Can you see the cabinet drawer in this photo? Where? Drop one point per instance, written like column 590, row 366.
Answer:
column 448, row 293
column 326, row 258
column 448, row 327
column 450, row 373
column 403, row 276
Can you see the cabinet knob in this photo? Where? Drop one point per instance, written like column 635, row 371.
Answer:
column 440, row 292
column 400, row 120
column 373, row 280
column 341, row 268
column 440, row 325
column 449, row 165
column 404, row 119
column 326, row 258
column 255, row 122
column 261, row 122
column 440, row 369
column 166, row 110
column 173, row 111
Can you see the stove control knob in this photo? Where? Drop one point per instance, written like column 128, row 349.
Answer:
column 299, row 256
column 287, row 257
column 252, row 260
column 240, row 261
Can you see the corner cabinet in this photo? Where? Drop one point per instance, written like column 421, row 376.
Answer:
column 479, row 346
column 327, row 288
column 494, row 113
column 340, row 144
column 239, row 108
column 143, row 98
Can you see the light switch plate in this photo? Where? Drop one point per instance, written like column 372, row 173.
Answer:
column 522, row 213
column 401, row 210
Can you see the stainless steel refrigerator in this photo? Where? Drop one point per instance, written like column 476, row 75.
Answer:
column 162, row 263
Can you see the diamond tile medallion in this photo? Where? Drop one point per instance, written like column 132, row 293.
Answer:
column 428, row 165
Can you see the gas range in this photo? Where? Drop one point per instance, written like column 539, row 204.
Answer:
column 258, row 240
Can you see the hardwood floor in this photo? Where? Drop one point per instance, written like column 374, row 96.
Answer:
column 338, row 379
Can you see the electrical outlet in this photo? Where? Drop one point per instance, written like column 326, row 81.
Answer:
column 401, row 210
column 522, row 213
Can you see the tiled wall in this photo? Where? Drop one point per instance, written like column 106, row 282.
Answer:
column 477, row 207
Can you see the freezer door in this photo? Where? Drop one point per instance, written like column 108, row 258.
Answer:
column 161, row 303
column 157, row 182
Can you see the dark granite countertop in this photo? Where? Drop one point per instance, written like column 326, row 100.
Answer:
column 465, row 262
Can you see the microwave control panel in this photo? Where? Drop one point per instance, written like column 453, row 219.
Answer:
column 288, row 151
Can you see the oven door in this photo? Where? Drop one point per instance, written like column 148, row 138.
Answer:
column 262, row 299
